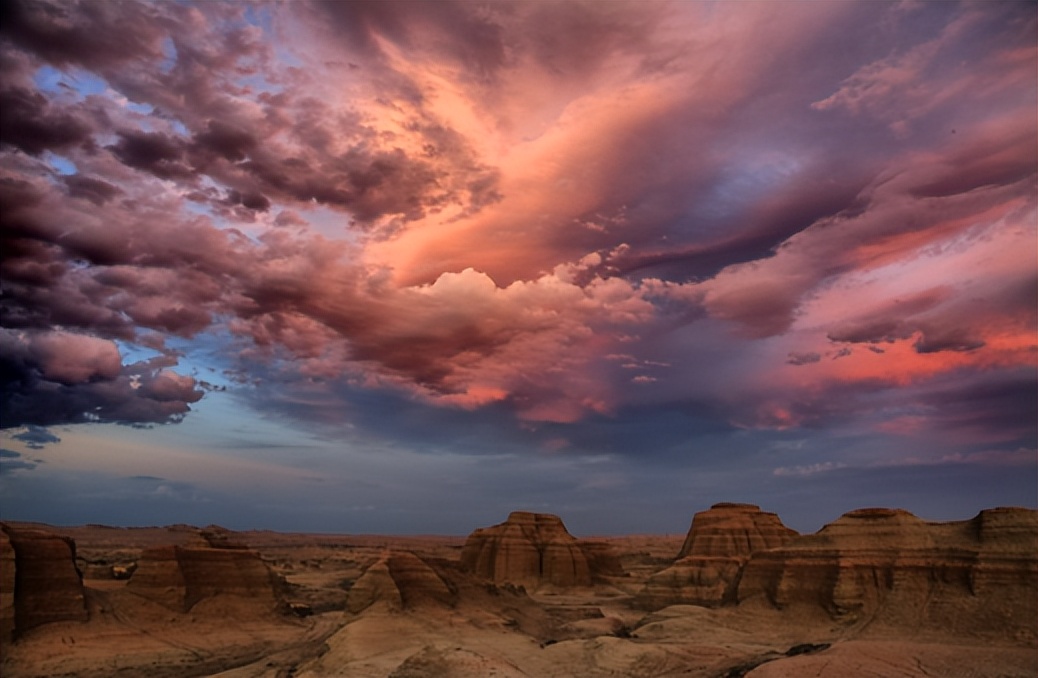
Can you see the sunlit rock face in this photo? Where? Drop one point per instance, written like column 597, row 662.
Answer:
column 887, row 566
column 528, row 549
column 181, row 576
column 43, row 586
column 399, row 580
column 719, row 543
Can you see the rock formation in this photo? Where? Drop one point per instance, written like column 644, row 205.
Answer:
column 399, row 580
column 719, row 543
column 181, row 576
column 159, row 577
column 528, row 549
column 887, row 566
column 733, row 531
column 46, row 585
column 7, row 564
column 601, row 559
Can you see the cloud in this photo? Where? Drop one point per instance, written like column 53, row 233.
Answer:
column 469, row 207
column 11, row 461
column 59, row 377
column 810, row 469
column 28, row 123
column 1020, row 457
column 918, row 82
column 36, row 437
column 77, row 33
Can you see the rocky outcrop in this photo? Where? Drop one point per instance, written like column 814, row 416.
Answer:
column 181, row 576
column 159, row 577
column 602, row 560
column 399, row 580
column 888, row 567
column 528, row 549
column 47, row 587
column 719, row 543
column 730, row 530
column 7, row 565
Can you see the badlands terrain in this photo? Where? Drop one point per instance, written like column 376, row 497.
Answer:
column 876, row 592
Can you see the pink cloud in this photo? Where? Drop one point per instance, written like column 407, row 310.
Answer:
column 505, row 210
column 74, row 358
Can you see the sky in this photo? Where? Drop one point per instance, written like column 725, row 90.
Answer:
column 405, row 267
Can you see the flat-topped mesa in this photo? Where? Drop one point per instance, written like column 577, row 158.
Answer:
column 399, row 580
column 719, row 542
column 528, row 549
column 1007, row 528
column 181, row 576
column 47, row 587
column 892, row 569
column 730, row 530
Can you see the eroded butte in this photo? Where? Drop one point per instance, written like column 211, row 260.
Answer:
column 877, row 592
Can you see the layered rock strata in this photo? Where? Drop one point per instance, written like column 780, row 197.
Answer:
column 719, row 542
column 888, row 566
column 7, row 565
column 47, row 587
column 178, row 577
column 528, row 549
column 602, row 560
column 731, row 530
column 399, row 580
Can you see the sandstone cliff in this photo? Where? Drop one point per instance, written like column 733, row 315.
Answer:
column 46, row 585
column 399, row 580
column 528, row 549
column 889, row 568
column 181, row 576
column 602, row 559
column 7, row 564
column 719, row 543
column 730, row 530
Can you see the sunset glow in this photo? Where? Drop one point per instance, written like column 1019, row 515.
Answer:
column 613, row 260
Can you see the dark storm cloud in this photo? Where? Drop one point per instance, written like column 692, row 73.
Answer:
column 77, row 33
column 229, row 142
column 95, row 190
column 156, row 153
column 53, row 378
column 29, row 123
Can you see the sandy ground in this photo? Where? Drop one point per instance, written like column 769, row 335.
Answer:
column 587, row 632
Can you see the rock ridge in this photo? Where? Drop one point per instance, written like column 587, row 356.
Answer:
column 888, row 566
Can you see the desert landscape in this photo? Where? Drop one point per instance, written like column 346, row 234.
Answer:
column 440, row 339
column 876, row 592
